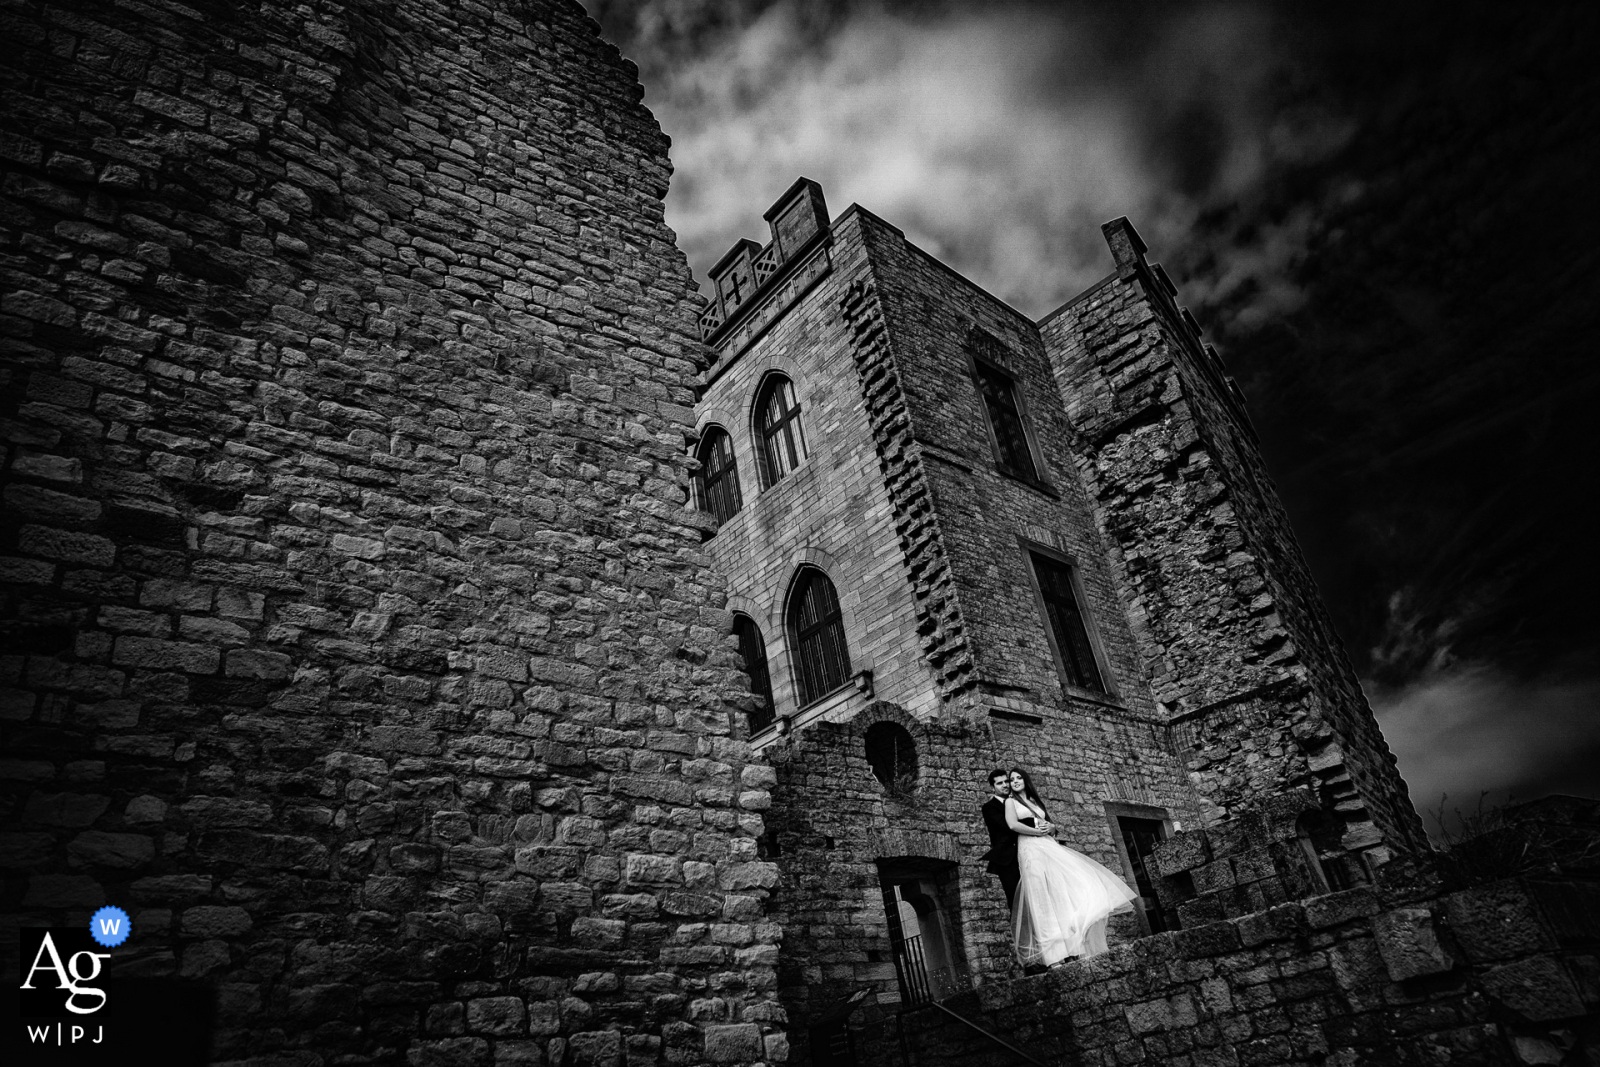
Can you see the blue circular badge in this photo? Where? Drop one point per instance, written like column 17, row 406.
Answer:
column 110, row 926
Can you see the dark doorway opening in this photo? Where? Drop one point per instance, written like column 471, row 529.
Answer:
column 1140, row 836
column 922, row 902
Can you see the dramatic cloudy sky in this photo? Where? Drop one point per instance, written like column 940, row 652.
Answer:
column 1383, row 214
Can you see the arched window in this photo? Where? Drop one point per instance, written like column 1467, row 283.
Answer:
column 754, row 651
column 892, row 754
column 816, row 633
column 719, row 475
column 783, row 438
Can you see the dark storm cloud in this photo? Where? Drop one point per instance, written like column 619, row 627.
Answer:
column 999, row 136
column 1382, row 214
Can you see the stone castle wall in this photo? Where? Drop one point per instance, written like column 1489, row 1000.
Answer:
column 833, row 511
column 1367, row 977
column 1184, row 500
column 359, row 641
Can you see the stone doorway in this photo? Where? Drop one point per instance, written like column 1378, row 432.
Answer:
column 922, row 902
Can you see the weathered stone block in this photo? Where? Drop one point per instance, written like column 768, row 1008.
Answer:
column 733, row 1042
column 215, row 921
column 498, row 1016
column 1340, row 907
column 595, row 1048
column 1409, row 944
column 599, row 933
column 254, row 663
column 752, row 875
column 153, row 654
column 64, row 809
column 1183, row 851
column 450, row 1052
column 646, row 869
column 1212, row 939
column 1162, row 1014
column 1274, row 924
column 102, row 849
column 1496, row 922
column 1539, row 988
column 21, row 851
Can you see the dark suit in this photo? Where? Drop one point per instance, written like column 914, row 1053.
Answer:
column 1002, row 854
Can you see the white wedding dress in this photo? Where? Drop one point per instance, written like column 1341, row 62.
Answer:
column 1063, row 899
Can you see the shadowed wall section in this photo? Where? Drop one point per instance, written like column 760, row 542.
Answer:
column 358, row 641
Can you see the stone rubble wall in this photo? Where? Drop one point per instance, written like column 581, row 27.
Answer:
column 1504, row 973
column 832, row 822
column 1259, row 694
column 358, row 640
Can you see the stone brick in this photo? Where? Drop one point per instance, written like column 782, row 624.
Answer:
column 733, row 1043
column 1410, row 944
column 450, row 1052
column 1539, row 988
column 153, row 654
column 64, row 809
column 102, row 849
column 1496, row 922
column 66, row 545
column 595, row 1048
column 1341, row 907
column 500, row 1016
column 1167, row 1013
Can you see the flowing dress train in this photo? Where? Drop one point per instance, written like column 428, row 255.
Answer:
column 1063, row 901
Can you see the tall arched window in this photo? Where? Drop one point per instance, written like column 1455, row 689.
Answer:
column 719, row 475
column 816, row 633
column 754, row 651
column 783, row 438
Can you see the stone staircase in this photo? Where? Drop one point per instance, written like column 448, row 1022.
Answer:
column 958, row 1033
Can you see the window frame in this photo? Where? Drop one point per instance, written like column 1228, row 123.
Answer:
column 1108, row 690
column 976, row 367
column 704, row 485
column 791, row 427
column 771, row 715
column 1115, row 812
column 797, row 639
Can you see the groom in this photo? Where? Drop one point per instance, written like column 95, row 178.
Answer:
column 1002, row 854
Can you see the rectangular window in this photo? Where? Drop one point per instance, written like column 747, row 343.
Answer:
column 1068, row 630
column 1005, row 419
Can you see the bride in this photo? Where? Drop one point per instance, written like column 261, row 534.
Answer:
column 1063, row 897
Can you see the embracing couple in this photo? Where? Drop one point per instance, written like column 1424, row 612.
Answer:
column 1059, row 898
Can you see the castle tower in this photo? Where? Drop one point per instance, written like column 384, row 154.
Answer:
column 1238, row 648
column 927, row 580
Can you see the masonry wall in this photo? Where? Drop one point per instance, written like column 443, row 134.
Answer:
column 1083, row 747
column 832, row 511
column 1259, row 694
column 899, row 501
column 831, row 825
column 359, row 641
column 1499, row 974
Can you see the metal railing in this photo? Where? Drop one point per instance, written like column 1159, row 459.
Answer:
column 917, row 993
column 918, row 990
